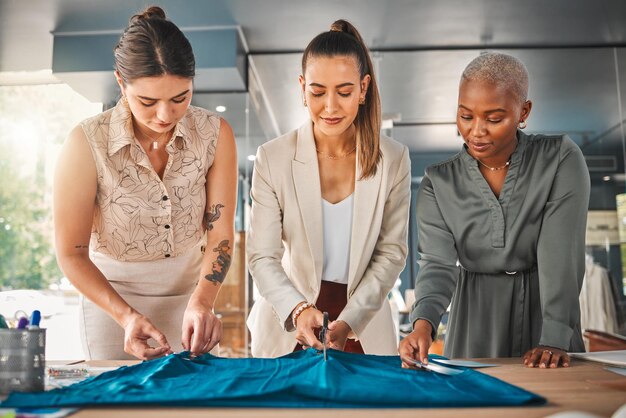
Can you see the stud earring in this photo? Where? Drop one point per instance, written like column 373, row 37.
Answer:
column 362, row 101
column 522, row 124
column 304, row 102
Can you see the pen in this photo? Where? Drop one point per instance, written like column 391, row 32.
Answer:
column 35, row 318
column 23, row 322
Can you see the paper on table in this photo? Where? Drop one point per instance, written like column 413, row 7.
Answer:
column 462, row 363
column 67, row 375
column 77, row 370
column 615, row 358
column 617, row 370
column 437, row 368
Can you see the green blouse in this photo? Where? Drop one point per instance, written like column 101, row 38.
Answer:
column 527, row 247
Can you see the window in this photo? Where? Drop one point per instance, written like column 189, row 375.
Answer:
column 34, row 121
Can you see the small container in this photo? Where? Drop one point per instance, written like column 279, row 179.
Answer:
column 22, row 360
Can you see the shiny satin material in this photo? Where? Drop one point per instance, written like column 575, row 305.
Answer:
column 298, row 380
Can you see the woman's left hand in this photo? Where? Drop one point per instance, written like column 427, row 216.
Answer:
column 546, row 357
column 338, row 332
column 202, row 329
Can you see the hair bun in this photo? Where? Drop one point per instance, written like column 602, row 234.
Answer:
column 339, row 26
column 152, row 12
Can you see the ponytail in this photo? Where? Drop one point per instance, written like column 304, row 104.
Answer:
column 343, row 39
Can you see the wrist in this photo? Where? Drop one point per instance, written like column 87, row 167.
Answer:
column 301, row 307
column 423, row 324
column 127, row 317
column 200, row 301
column 204, row 295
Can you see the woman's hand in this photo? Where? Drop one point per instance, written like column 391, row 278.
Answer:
column 543, row 357
column 307, row 322
column 415, row 345
column 137, row 331
column 202, row 329
column 338, row 332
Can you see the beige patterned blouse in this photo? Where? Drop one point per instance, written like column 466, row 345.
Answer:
column 138, row 216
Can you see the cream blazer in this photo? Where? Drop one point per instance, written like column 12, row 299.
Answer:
column 285, row 242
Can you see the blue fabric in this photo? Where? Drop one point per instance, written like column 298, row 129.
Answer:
column 297, row 380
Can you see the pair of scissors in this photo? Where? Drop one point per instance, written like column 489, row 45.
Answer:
column 433, row 367
column 323, row 333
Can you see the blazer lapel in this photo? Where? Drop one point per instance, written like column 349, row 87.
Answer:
column 309, row 194
column 366, row 194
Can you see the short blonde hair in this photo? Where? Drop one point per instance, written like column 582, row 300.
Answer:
column 499, row 69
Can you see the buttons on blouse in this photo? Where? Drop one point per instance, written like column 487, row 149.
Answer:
column 166, row 226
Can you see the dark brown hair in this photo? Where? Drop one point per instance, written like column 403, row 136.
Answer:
column 152, row 46
column 344, row 40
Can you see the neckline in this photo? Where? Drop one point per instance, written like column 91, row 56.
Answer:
column 340, row 202
column 509, row 179
column 514, row 158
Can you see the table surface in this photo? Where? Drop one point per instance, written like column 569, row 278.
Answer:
column 584, row 386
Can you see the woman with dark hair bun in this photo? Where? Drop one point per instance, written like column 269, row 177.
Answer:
column 329, row 219
column 135, row 191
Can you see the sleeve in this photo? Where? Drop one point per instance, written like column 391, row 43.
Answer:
column 438, row 272
column 389, row 256
column 561, row 247
column 264, row 247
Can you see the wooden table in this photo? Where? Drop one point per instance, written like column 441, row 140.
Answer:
column 584, row 386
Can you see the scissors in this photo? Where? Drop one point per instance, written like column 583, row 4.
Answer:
column 432, row 367
column 323, row 333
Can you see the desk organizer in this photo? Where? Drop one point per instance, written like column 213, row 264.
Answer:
column 22, row 360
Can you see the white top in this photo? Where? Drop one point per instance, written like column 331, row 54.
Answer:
column 337, row 219
column 597, row 308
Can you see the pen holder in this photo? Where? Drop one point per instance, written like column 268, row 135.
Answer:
column 22, row 360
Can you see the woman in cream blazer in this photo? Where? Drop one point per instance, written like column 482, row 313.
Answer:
column 285, row 245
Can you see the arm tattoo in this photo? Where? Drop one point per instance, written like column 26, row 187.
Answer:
column 221, row 263
column 81, row 246
column 212, row 215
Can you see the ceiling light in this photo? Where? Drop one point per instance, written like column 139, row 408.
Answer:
column 251, row 157
column 220, row 108
column 606, row 178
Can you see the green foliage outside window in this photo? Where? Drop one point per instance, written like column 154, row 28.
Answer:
column 34, row 121
column 26, row 254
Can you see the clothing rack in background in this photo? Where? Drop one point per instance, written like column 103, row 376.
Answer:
column 600, row 301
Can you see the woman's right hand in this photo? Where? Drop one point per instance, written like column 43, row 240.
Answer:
column 137, row 331
column 415, row 345
column 307, row 322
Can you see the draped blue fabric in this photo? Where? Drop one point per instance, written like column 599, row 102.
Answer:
column 298, row 380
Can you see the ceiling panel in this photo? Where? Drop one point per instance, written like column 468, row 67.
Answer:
column 422, row 47
column 273, row 25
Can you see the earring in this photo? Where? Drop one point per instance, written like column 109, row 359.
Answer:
column 304, row 102
column 362, row 101
column 522, row 124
